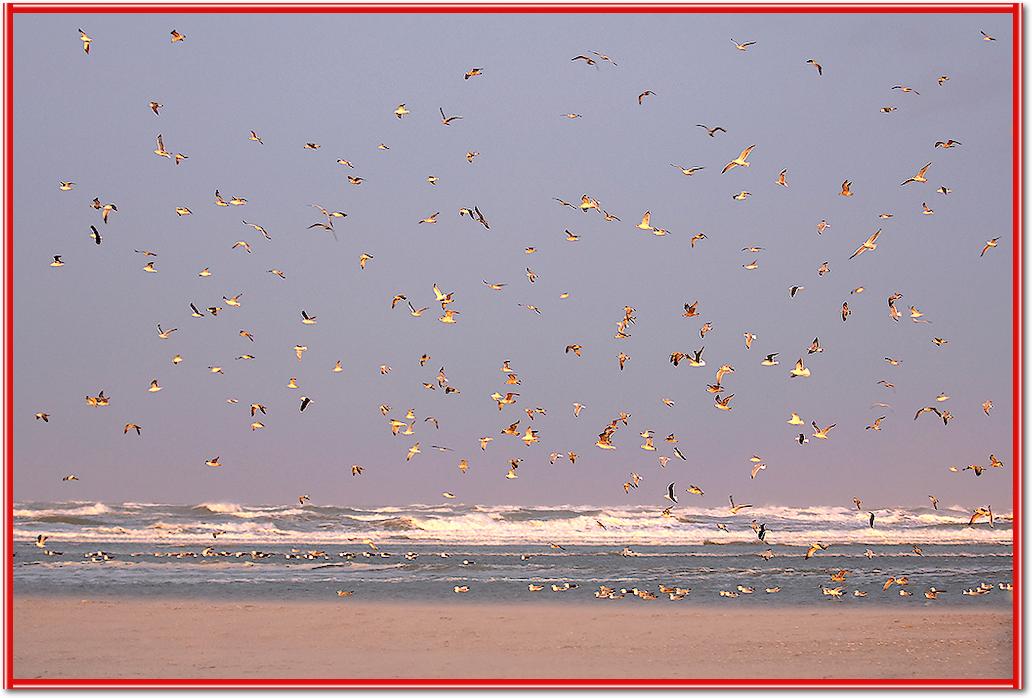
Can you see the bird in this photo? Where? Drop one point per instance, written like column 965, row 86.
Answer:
column 446, row 120
column 723, row 403
column 712, row 132
column 990, row 244
column 876, row 425
column 643, row 95
column 924, row 410
column 982, row 513
column 871, row 243
column 742, row 46
column 160, row 150
column 740, row 161
column 815, row 64
column 86, row 41
column 687, row 171
column 814, row 549
column 919, row 177
column 735, row 508
column 105, row 209
column 800, row 370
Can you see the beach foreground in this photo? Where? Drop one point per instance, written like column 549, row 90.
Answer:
column 67, row 637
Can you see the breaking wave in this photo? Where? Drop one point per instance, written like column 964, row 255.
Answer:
column 498, row 525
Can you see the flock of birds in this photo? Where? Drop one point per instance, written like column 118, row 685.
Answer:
column 673, row 591
column 506, row 397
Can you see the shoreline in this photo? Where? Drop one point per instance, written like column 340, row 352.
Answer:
column 101, row 636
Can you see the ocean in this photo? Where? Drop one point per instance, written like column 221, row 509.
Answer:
column 420, row 553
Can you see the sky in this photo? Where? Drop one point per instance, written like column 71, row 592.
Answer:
column 336, row 80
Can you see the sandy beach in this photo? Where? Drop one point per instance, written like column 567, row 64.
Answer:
column 167, row 638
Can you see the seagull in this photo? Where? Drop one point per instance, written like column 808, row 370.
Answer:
column 712, row 132
column 813, row 549
column 869, row 244
column 800, row 371
column 742, row 46
column 160, row 150
column 687, row 171
column 741, row 161
column 86, row 41
column 982, row 513
column 989, row 245
column 104, row 209
column 919, row 177
column 735, row 508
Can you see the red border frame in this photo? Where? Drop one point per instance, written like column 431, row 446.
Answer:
column 1014, row 9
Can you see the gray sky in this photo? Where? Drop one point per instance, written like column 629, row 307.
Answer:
column 335, row 80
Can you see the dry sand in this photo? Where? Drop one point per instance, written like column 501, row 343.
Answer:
column 166, row 638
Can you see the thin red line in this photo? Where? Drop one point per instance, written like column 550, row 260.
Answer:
column 1017, row 367
column 521, row 8
column 9, row 344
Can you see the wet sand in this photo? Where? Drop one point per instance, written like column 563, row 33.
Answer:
column 65, row 637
